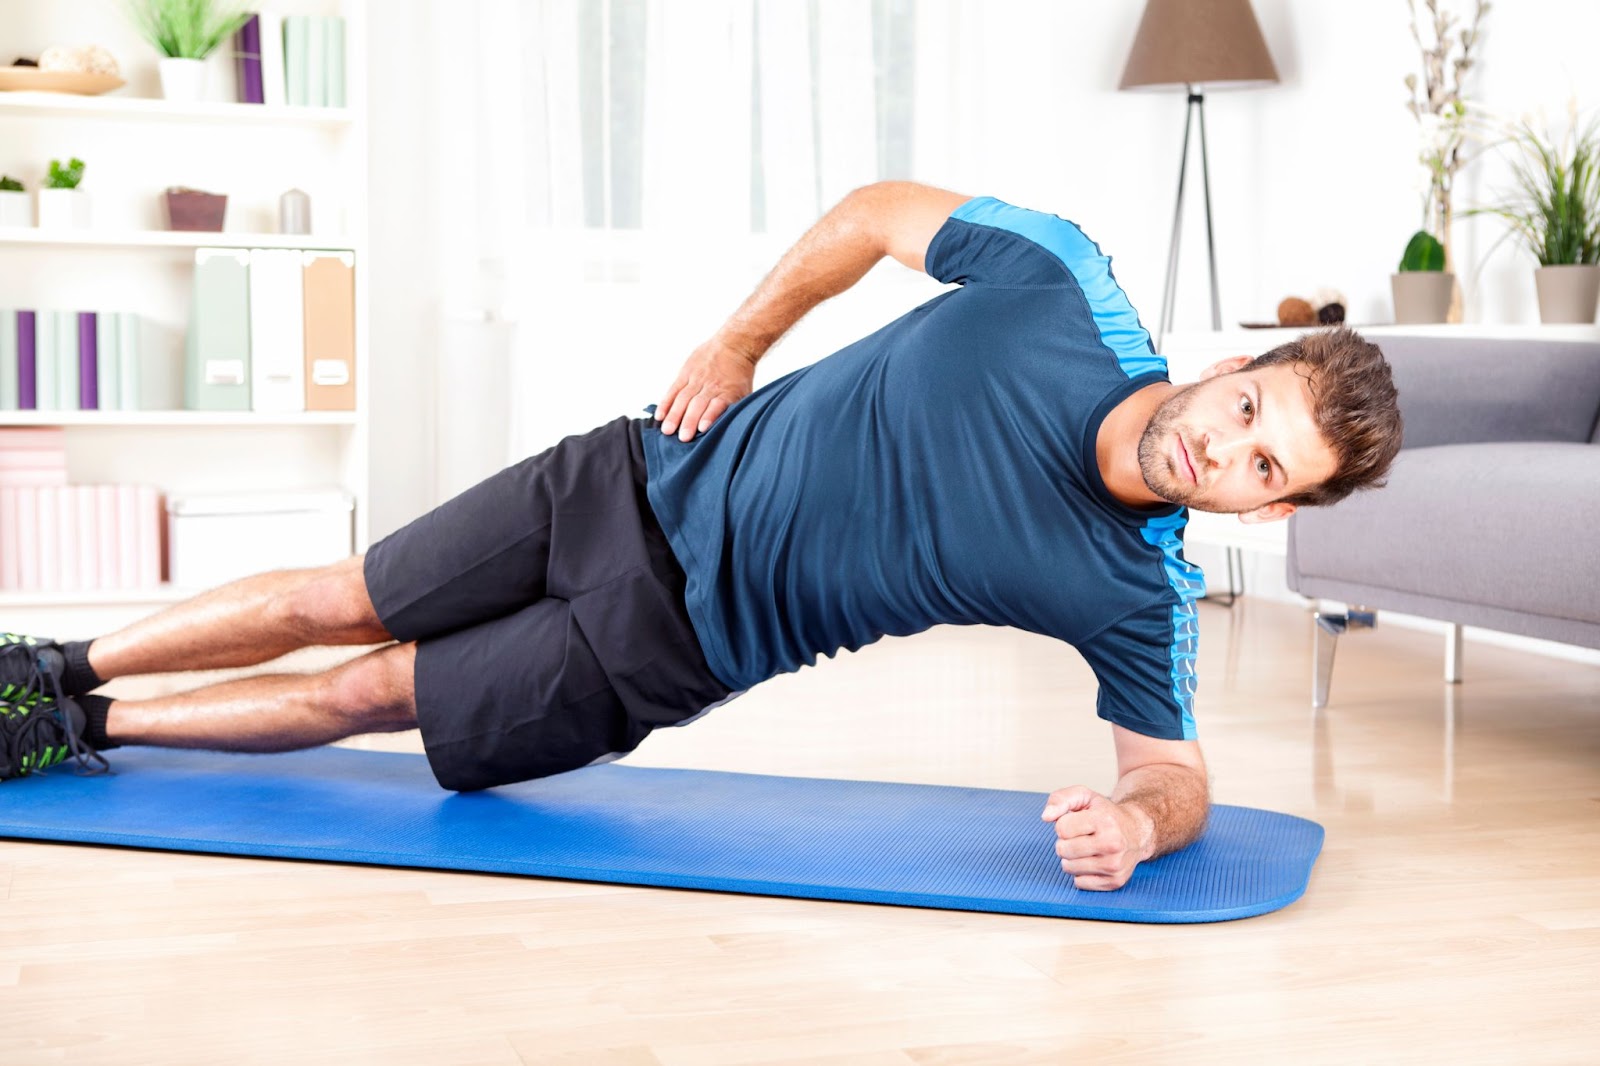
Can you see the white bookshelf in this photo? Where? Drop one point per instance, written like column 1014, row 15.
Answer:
column 136, row 145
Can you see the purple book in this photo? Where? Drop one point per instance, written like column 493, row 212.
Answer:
column 247, row 61
column 88, row 362
column 27, row 364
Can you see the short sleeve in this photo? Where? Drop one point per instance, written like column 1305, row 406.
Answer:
column 1145, row 664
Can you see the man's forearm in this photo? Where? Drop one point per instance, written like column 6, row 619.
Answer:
column 834, row 254
column 1171, row 801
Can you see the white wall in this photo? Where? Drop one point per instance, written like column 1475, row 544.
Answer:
column 1314, row 184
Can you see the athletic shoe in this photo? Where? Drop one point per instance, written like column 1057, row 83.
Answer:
column 43, row 733
column 30, row 668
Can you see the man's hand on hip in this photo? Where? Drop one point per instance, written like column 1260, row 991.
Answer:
column 1098, row 840
column 715, row 377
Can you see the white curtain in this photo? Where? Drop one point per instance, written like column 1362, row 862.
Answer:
column 623, row 172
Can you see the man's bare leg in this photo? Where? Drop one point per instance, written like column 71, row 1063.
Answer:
column 249, row 621
column 278, row 712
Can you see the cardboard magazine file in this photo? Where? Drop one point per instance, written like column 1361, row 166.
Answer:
column 330, row 305
column 217, row 368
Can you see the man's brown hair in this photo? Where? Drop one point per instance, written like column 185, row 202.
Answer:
column 1355, row 404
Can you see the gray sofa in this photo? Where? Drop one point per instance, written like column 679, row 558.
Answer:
column 1492, row 512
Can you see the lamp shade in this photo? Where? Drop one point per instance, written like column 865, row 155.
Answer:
column 1215, row 43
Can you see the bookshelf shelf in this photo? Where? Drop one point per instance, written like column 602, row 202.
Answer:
column 180, row 240
column 161, row 594
column 125, row 108
column 180, row 419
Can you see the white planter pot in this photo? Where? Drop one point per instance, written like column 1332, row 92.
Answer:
column 183, row 80
column 1421, row 296
column 16, row 208
column 1567, row 293
column 63, row 209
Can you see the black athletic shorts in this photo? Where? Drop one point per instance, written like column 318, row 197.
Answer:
column 548, row 613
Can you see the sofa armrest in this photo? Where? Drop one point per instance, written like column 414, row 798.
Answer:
column 1459, row 391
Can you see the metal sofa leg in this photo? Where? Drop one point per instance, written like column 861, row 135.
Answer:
column 1452, row 655
column 1325, row 634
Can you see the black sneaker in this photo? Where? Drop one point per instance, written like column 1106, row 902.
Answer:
column 43, row 733
column 30, row 667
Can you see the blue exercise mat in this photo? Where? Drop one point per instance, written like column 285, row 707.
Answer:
column 863, row 841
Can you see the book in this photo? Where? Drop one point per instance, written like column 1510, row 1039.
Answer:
column 335, row 60
column 27, row 539
column 107, row 359
column 127, row 537
column 272, row 72
column 147, row 502
column 88, row 537
column 217, row 369
column 316, row 62
column 27, row 361
column 330, row 317
column 105, row 512
column 129, row 367
column 67, row 535
column 46, row 362
column 247, row 61
column 88, row 362
column 296, row 45
column 277, row 331
column 66, row 360
column 48, row 501
column 8, row 360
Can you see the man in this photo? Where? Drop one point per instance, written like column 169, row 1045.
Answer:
column 1009, row 453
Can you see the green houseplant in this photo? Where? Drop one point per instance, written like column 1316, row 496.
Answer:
column 15, row 207
column 62, row 204
column 185, row 32
column 1422, row 287
column 1553, row 209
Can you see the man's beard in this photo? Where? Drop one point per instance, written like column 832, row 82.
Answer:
column 1155, row 451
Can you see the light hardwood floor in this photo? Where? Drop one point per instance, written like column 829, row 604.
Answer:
column 1454, row 915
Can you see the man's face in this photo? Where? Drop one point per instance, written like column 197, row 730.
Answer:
column 1236, row 442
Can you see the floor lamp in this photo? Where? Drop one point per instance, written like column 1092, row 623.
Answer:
column 1194, row 44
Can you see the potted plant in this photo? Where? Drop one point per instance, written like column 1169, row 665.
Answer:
column 185, row 32
column 1439, row 104
column 62, row 205
column 15, row 208
column 1422, row 288
column 1553, row 208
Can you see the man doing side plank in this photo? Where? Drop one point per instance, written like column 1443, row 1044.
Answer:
column 1009, row 453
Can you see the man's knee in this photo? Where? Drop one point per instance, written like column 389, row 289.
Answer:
column 332, row 604
column 377, row 689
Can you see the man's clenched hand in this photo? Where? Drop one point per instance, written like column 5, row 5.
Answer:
column 716, row 376
column 1098, row 841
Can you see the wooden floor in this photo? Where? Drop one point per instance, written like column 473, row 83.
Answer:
column 1453, row 917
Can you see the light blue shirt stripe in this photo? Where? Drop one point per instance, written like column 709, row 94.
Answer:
column 1188, row 582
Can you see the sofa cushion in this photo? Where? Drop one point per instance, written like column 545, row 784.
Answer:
column 1509, row 525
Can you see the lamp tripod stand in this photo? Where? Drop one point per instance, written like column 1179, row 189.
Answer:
column 1169, row 290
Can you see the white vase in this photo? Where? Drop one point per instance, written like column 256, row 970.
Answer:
column 183, row 80
column 16, row 208
column 63, row 209
column 1567, row 293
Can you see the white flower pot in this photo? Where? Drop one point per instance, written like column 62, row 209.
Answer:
column 16, row 208
column 63, row 209
column 1567, row 293
column 183, row 80
column 1421, row 296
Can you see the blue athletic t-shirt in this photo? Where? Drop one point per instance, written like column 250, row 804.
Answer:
column 943, row 471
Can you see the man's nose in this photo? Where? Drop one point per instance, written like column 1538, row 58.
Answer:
column 1223, row 448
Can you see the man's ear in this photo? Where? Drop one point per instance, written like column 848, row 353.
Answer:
column 1272, row 512
column 1224, row 366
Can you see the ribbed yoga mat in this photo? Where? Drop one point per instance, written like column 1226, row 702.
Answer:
column 861, row 841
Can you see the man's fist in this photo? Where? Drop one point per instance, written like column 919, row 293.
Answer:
column 1099, row 842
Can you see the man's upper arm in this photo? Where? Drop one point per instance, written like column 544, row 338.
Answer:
column 909, row 216
column 1135, row 750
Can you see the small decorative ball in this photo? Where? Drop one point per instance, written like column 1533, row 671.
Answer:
column 98, row 60
column 60, row 57
column 1294, row 311
column 1330, row 314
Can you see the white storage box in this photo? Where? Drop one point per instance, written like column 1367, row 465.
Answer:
column 213, row 539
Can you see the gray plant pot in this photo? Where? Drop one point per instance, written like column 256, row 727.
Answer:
column 1421, row 296
column 1567, row 293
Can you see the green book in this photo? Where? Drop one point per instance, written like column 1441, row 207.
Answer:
column 317, row 62
column 45, row 361
column 336, row 61
column 107, row 360
column 216, row 373
column 129, row 367
column 10, row 382
column 296, row 45
column 66, row 360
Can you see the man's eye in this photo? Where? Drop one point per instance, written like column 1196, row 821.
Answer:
column 1263, row 467
column 1246, row 407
